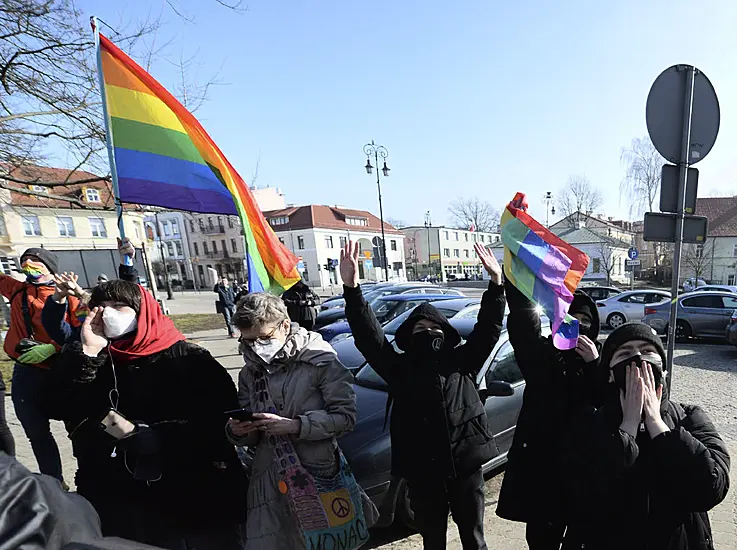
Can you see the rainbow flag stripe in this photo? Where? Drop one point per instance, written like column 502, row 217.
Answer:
column 165, row 158
column 543, row 267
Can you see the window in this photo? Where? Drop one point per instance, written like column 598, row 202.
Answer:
column 230, row 222
column 167, row 228
column 706, row 301
column 214, row 247
column 447, row 237
column 357, row 221
column 596, row 265
column 301, row 243
column 456, row 235
column 393, row 245
column 497, row 238
column 466, row 253
column 328, row 241
column 282, row 220
column 220, row 221
column 729, row 302
column 471, row 312
column 731, row 280
column 699, row 251
column 191, row 225
column 170, row 249
column 175, row 227
column 483, row 238
column 92, row 195
column 196, row 250
column 202, row 224
column 466, row 235
column 66, row 226
column 97, row 226
column 446, row 252
column 456, row 253
column 205, row 248
column 31, row 226
column 734, row 250
column 178, row 246
column 209, row 222
column 342, row 242
column 225, row 247
column 234, row 244
column 504, row 367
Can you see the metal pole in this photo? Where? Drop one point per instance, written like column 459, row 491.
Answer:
column 381, row 217
column 109, row 137
column 680, row 216
column 169, row 293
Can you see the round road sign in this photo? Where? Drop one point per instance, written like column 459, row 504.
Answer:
column 633, row 253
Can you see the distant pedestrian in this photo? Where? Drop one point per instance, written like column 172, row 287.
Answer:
column 301, row 303
column 439, row 430
column 33, row 351
column 226, row 303
column 641, row 471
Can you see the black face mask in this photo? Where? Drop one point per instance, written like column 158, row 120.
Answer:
column 620, row 369
column 428, row 342
column 584, row 329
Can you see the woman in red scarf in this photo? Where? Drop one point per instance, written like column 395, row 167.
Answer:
column 144, row 410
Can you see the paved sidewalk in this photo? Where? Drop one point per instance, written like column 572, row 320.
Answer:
column 500, row 533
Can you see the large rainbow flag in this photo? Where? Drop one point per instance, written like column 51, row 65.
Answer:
column 164, row 157
column 545, row 268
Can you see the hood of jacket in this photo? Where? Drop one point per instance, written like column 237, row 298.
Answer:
column 301, row 345
column 403, row 336
column 583, row 303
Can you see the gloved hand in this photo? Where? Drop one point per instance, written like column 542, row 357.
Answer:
column 37, row 354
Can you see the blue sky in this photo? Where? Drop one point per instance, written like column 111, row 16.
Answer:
column 475, row 98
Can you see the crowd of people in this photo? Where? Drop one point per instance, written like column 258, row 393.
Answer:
column 601, row 457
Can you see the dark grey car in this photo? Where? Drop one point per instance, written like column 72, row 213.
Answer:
column 700, row 314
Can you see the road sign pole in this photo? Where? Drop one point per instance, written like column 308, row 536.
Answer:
column 680, row 215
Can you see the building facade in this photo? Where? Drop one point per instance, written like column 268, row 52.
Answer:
column 444, row 252
column 316, row 234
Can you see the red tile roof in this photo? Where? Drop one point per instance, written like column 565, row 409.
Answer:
column 42, row 174
column 722, row 215
column 327, row 217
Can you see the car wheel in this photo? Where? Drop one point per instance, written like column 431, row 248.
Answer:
column 403, row 510
column 683, row 331
column 616, row 320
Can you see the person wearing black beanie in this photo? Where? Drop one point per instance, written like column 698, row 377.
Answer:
column 642, row 471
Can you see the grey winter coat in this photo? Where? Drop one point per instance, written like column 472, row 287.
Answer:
column 306, row 381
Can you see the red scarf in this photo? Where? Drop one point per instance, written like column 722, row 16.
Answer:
column 155, row 332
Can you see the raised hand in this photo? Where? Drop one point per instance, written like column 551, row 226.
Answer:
column 651, row 402
column 126, row 250
column 586, row 349
column 66, row 286
column 349, row 264
column 491, row 265
column 93, row 333
column 632, row 401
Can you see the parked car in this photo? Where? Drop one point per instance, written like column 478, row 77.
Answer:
column 691, row 284
column 730, row 332
column 385, row 308
column 452, row 308
column 699, row 314
column 628, row 306
column 600, row 292
column 717, row 288
column 332, row 315
column 368, row 446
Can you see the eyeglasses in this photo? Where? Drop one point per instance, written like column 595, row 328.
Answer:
column 263, row 339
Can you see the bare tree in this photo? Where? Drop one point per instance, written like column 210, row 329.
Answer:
column 698, row 257
column 641, row 184
column 606, row 259
column 578, row 196
column 465, row 213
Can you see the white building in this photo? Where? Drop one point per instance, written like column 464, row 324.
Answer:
column 444, row 251
column 316, row 234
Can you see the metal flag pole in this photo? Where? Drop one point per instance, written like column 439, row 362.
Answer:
column 680, row 215
column 109, row 136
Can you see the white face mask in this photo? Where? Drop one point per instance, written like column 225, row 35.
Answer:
column 118, row 323
column 267, row 350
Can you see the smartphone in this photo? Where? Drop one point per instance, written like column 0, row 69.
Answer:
column 116, row 425
column 240, row 414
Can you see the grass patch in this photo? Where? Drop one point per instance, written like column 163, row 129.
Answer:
column 6, row 369
column 195, row 322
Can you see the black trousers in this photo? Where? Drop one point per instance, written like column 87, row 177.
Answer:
column 463, row 497
column 7, row 443
column 545, row 535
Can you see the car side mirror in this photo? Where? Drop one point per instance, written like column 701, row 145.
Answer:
column 496, row 388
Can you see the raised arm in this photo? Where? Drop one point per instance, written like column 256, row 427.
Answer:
column 367, row 332
column 9, row 286
column 127, row 254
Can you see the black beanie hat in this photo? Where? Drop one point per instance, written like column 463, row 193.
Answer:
column 48, row 258
column 626, row 333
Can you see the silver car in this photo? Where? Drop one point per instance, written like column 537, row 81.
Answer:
column 628, row 306
column 699, row 314
column 717, row 288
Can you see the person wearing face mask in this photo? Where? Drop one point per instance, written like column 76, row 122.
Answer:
column 302, row 400
column 642, row 471
column 33, row 351
column 557, row 383
column 144, row 411
column 439, row 433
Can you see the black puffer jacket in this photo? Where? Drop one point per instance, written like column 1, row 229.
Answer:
column 438, row 423
column 181, row 394
column 558, row 383
column 301, row 301
column 643, row 494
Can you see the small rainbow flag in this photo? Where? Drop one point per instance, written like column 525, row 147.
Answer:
column 163, row 157
column 543, row 267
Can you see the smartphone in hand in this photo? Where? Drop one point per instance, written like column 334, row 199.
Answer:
column 240, row 414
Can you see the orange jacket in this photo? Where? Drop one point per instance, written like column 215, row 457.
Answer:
column 37, row 296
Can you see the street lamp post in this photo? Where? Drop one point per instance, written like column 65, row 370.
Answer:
column 428, row 226
column 378, row 151
column 548, row 200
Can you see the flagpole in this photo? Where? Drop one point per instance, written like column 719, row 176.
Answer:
column 109, row 137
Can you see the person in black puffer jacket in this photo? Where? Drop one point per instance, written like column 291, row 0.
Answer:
column 301, row 301
column 162, row 472
column 642, row 471
column 439, row 433
column 557, row 384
